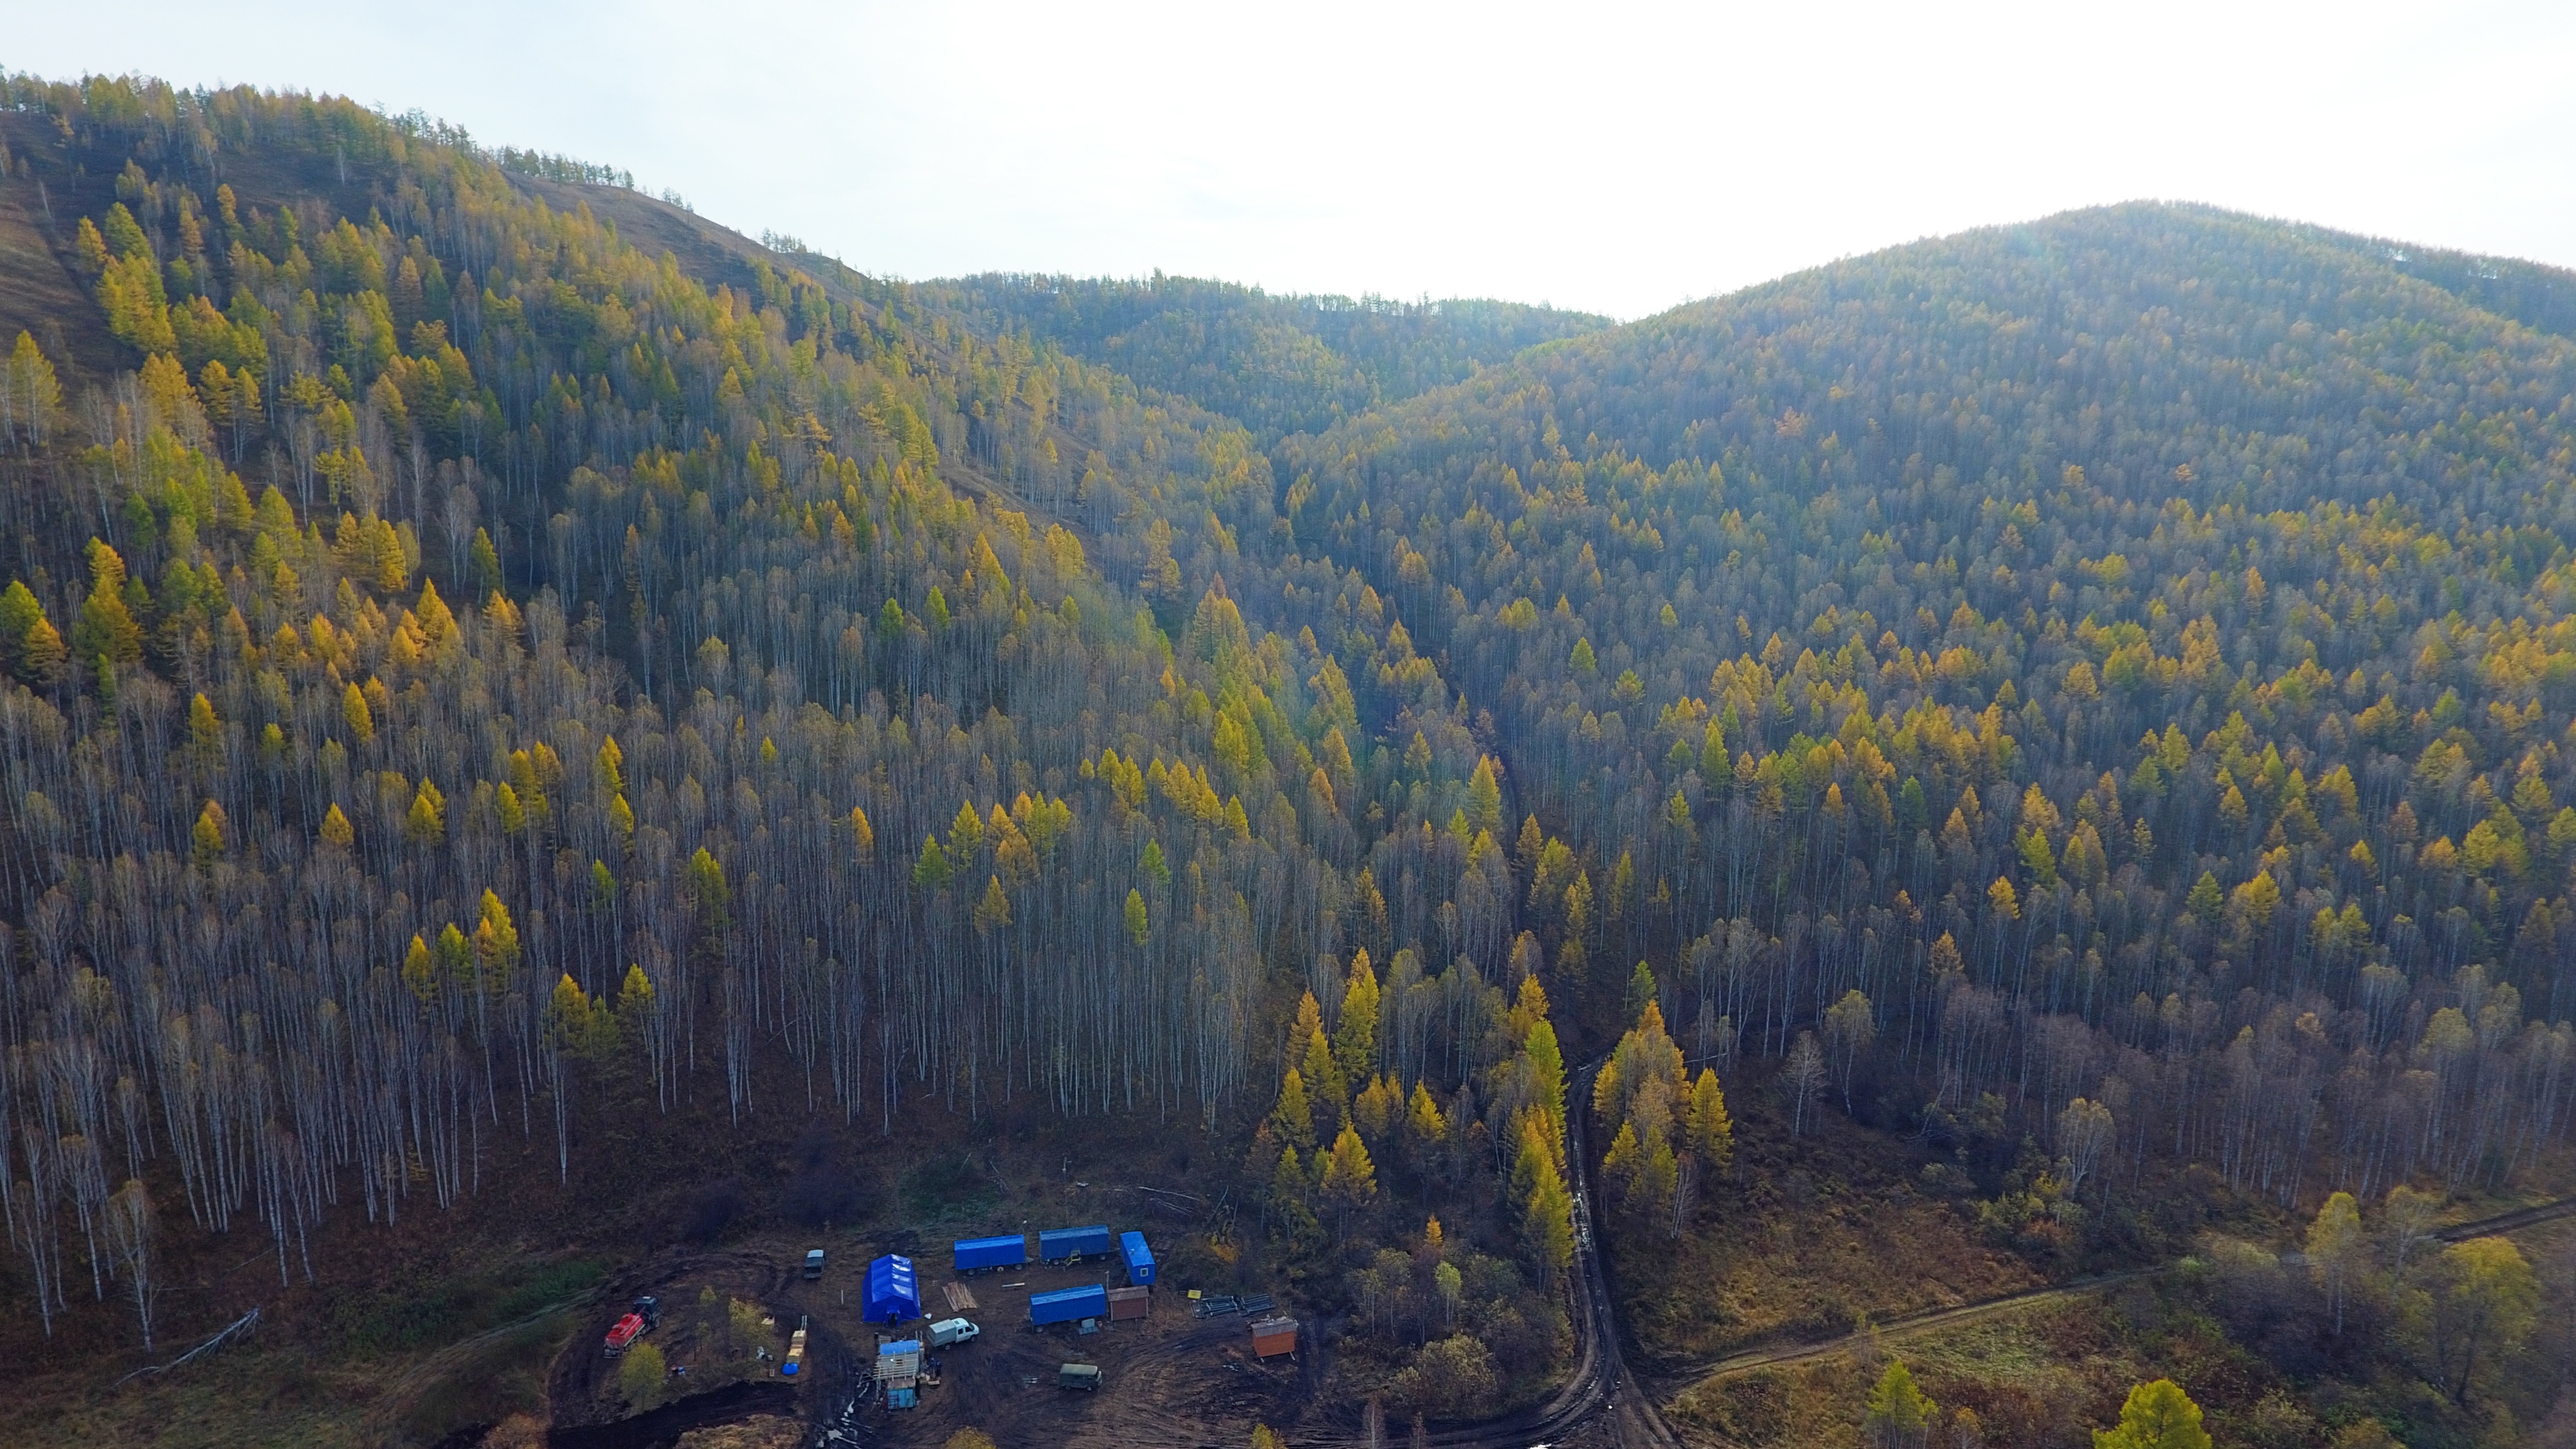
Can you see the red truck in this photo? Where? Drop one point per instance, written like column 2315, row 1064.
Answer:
column 622, row 1335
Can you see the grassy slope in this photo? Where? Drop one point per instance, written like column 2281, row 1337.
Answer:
column 36, row 290
column 37, row 247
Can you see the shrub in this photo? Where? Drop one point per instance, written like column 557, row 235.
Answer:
column 1451, row 1377
column 641, row 1376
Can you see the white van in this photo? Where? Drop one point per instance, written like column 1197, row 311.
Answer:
column 952, row 1330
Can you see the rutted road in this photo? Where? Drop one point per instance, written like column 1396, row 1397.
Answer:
column 1635, row 1421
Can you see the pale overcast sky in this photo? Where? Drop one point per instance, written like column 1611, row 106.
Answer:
column 1615, row 157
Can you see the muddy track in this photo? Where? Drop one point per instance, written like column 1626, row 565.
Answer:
column 1601, row 1383
column 1908, row 1325
column 1145, row 1385
column 400, row 1391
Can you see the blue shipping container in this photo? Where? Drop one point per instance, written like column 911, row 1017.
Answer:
column 977, row 1254
column 1058, row 1245
column 1067, row 1304
column 1140, row 1259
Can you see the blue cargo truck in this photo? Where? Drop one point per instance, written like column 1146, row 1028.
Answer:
column 1065, row 1305
column 1068, row 1245
column 983, row 1255
column 1140, row 1260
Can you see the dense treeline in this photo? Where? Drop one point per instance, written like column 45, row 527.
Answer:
column 2128, row 651
column 467, row 654
column 1275, row 364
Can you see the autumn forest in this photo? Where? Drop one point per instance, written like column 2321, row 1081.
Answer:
column 2065, row 732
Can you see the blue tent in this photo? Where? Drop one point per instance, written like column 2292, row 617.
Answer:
column 892, row 1296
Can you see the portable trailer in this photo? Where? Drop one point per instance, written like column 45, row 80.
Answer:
column 1067, row 1305
column 1140, row 1259
column 983, row 1255
column 1127, row 1303
column 1274, row 1336
column 893, row 1293
column 1072, row 1245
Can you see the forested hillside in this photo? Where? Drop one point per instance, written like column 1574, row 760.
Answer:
column 2095, row 693
column 457, row 654
column 487, row 653
column 2132, row 635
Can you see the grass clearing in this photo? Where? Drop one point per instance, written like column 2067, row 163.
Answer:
column 250, row 1399
column 2033, row 1376
column 289, row 1393
column 1811, row 1239
column 407, row 1317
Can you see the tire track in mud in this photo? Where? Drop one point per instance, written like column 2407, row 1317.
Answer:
column 1154, row 1377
